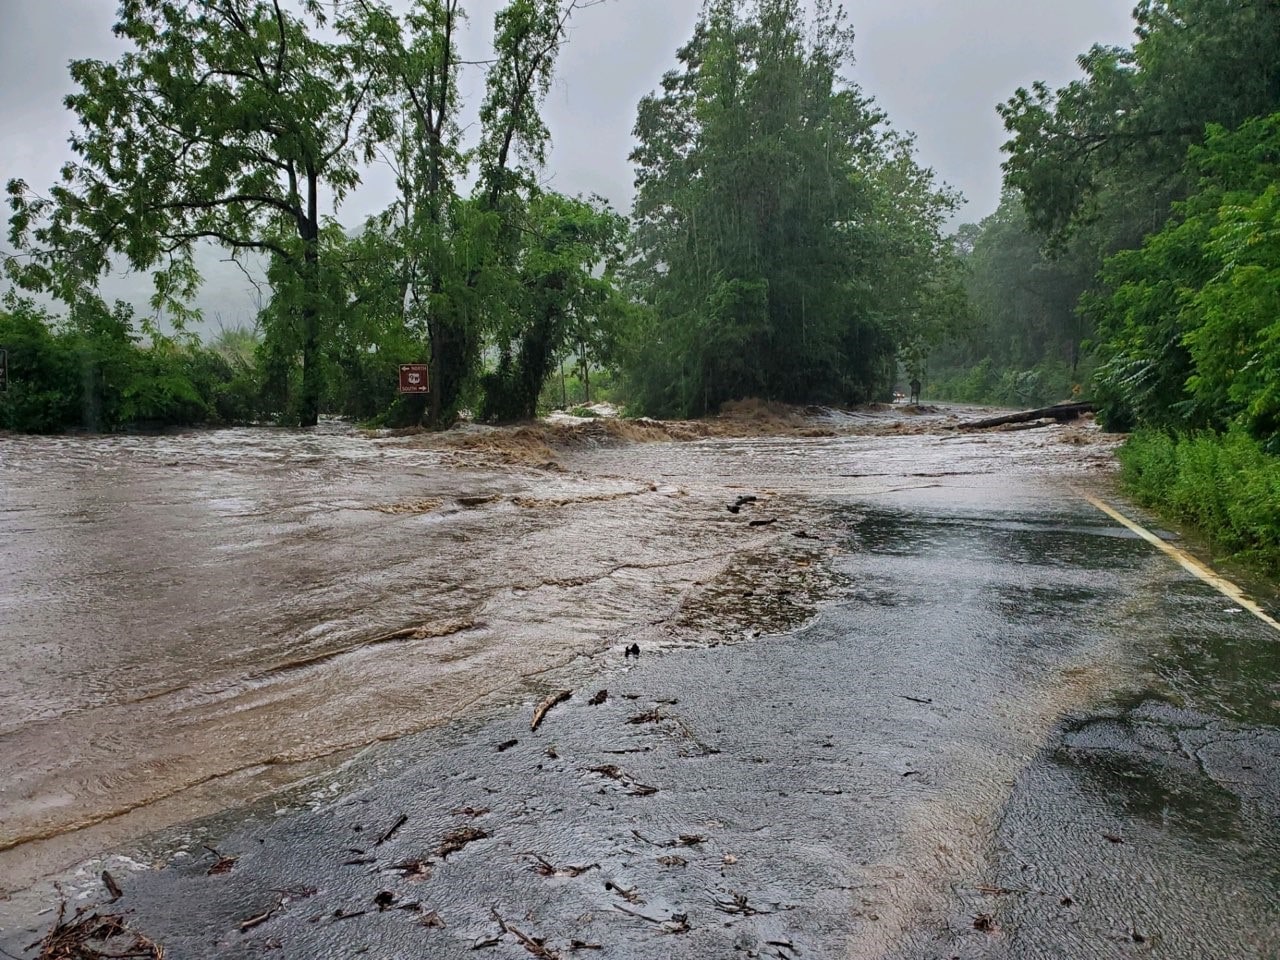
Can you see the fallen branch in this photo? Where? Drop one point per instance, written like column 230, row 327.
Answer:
column 679, row 922
column 221, row 864
column 418, row 869
column 113, row 888
column 631, row 896
column 73, row 939
column 546, row 868
column 738, row 906
column 404, row 818
column 1061, row 412
column 638, row 915
column 534, row 947
column 541, row 709
column 259, row 919
column 634, row 786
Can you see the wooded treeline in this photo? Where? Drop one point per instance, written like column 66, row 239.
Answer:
column 247, row 124
column 784, row 243
column 1134, row 252
column 1136, row 258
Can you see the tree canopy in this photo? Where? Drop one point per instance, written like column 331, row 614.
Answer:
column 784, row 237
column 1126, row 179
column 1112, row 146
column 247, row 123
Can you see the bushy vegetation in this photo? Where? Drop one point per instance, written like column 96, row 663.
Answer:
column 246, row 124
column 1190, row 321
column 579, row 387
column 1046, row 383
column 1225, row 484
column 1024, row 342
column 94, row 372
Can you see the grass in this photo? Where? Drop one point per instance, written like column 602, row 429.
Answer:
column 1224, row 484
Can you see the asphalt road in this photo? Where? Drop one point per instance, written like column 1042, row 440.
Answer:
column 1013, row 730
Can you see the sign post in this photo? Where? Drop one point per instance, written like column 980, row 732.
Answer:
column 414, row 378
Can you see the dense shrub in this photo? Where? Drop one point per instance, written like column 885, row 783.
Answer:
column 1225, row 484
column 1047, row 382
column 94, row 373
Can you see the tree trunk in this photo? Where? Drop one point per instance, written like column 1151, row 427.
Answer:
column 309, row 401
column 1062, row 412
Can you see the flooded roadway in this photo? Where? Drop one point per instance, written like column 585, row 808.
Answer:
column 999, row 681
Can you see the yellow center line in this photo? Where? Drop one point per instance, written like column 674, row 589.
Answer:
column 1190, row 563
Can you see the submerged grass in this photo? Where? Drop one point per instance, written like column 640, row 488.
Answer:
column 1224, row 484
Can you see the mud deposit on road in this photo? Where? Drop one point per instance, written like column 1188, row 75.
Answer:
column 924, row 751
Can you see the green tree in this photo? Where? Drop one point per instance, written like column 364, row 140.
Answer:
column 565, row 298
column 1024, row 328
column 1188, row 322
column 227, row 121
column 1112, row 146
column 456, row 259
column 784, row 237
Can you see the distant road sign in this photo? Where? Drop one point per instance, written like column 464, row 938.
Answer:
column 414, row 378
column 4, row 369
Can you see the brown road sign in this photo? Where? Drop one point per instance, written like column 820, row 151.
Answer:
column 414, row 378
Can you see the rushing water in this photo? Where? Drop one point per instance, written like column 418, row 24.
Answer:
column 189, row 620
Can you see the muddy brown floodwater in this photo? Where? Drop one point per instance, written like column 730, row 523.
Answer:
column 190, row 621
column 902, row 694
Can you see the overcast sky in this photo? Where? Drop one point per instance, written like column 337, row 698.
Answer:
column 938, row 67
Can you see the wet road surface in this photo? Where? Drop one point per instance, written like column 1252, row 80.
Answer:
column 1013, row 729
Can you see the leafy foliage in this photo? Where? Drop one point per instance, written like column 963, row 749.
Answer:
column 1024, row 342
column 223, row 122
column 559, row 302
column 784, row 237
column 238, row 122
column 94, row 373
column 1225, row 484
column 1189, row 321
column 1110, row 147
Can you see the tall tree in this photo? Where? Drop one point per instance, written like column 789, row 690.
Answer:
column 1112, row 146
column 458, row 255
column 564, row 294
column 783, row 233
column 1188, row 322
column 227, row 121
column 419, row 58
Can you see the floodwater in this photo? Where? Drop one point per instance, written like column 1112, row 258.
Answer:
column 993, row 680
column 189, row 620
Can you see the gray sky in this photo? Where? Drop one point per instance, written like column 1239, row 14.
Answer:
column 938, row 67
